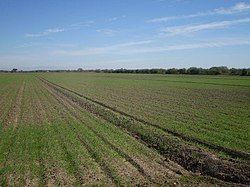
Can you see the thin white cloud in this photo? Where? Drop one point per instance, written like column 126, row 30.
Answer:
column 222, row 43
column 129, row 44
column 81, row 24
column 25, row 45
column 44, row 45
column 186, row 29
column 139, row 47
column 74, row 26
column 45, row 33
column 108, row 32
column 116, row 18
column 237, row 8
column 101, row 50
column 18, row 60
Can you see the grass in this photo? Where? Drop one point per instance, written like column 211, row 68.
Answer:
column 51, row 136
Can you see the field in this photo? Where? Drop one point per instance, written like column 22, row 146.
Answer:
column 90, row 129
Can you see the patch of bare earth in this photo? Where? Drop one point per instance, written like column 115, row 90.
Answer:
column 57, row 176
column 31, row 180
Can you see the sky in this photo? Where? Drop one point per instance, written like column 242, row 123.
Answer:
column 131, row 34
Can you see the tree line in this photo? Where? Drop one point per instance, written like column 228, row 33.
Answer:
column 221, row 70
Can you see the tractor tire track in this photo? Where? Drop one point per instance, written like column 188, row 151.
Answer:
column 70, row 106
column 177, row 169
column 70, row 158
column 91, row 152
column 76, row 171
column 46, row 175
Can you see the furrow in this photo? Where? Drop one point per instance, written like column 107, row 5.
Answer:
column 70, row 158
column 102, row 165
column 91, row 152
column 81, row 180
column 70, row 107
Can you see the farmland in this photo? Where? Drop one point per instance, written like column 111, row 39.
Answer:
column 124, row 129
column 214, row 109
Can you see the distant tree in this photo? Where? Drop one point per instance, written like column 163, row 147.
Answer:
column 145, row 71
column 161, row 71
column 97, row 71
column 172, row 71
column 248, row 72
column 193, row 71
column 14, row 70
column 80, row 69
column 182, row 71
column 157, row 71
column 218, row 70
column 244, row 72
column 224, row 69
column 221, row 70
column 234, row 71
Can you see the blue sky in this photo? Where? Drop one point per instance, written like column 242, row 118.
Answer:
column 98, row 34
